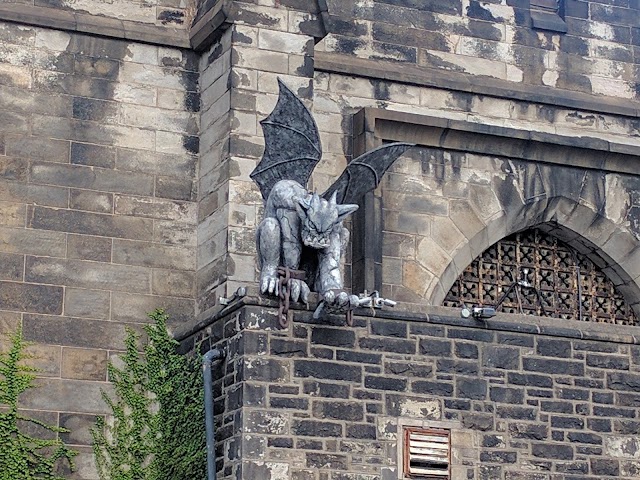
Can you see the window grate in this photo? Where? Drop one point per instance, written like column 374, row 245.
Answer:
column 427, row 453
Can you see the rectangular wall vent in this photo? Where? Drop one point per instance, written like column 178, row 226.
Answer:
column 427, row 453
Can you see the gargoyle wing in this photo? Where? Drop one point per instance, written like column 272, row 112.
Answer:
column 364, row 173
column 292, row 143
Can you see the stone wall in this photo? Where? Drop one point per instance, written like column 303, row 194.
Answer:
column 98, row 145
column 598, row 54
column 172, row 13
column 525, row 398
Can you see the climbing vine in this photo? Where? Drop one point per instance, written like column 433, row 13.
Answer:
column 156, row 426
column 23, row 457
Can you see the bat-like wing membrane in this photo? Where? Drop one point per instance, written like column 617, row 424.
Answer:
column 292, row 144
column 364, row 173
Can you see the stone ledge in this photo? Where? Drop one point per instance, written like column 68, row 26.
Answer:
column 429, row 77
column 584, row 152
column 503, row 322
column 94, row 24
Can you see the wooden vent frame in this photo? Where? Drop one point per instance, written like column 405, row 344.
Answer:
column 427, row 453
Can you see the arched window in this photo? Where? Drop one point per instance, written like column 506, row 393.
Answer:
column 534, row 273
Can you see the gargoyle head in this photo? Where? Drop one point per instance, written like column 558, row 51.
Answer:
column 318, row 217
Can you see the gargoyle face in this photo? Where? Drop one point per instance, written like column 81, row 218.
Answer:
column 318, row 217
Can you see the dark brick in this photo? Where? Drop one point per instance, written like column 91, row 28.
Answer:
column 507, row 395
column 573, row 468
column 358, row 357
column 498, row 457
column 545, row 365
column 556, row 407
column 478, row 421
column 609, row 362
column 529, row 431
column 408, row 369
column 288, row 348
column 472, row 388
column 428, row 330
column 277, row 442
column 466, row 350
column 601, row 466
column 600, row 411
column 573, row 394
column 440, row 389
column 351, row 411
column 435, row 348
column 628, row 399
column 284, row 389
column 501, row 357
column 574, row 423
column 530, row 380
column 559, row 452
column 333, row 336
column 327, row 370
column 385, row 383
column 305, row 444
column 581, row 437
column 493, row 441
column 599, row 424
column 623, row 381
column 627, row 427
column 266, row 370
column 553, row 348
column 457, row 404
column 388, row 345
column 361, row 430
column 471, row 334
column 518, row 413
column 311, row 428
column 389, row 329
column 456, row 366
column 289, row 402
column 328, row 390
column 326, row 460
column 516, row 340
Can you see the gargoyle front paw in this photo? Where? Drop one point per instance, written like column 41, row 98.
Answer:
column 269, row 282
column 340, row 301
column 299, row 290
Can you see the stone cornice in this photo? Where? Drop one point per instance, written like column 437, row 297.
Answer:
column 429, row 77
column 94, row 24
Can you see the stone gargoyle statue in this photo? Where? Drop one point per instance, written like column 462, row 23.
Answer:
column 302, row 231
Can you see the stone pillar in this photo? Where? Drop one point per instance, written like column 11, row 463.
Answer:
column 255, row 45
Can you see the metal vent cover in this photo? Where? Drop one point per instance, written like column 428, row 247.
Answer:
column 427, row 453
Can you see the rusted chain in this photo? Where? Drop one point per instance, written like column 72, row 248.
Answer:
column 285, row 275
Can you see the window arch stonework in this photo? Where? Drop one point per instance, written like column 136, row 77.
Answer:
column 537, row 274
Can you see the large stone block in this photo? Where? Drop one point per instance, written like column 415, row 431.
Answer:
column 87, row 223
column 93, row 275
column 25, row 297
column 84, row 364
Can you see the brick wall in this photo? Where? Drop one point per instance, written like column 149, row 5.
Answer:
column 525, row 398
column 98, row 145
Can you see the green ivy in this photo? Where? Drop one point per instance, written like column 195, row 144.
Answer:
column 23, row 457
column 156, row 430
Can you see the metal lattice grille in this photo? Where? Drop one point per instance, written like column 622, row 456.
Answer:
column 552, row 280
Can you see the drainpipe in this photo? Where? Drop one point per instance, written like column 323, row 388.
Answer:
column 207, row 359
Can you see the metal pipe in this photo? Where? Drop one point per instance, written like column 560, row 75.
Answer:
column 207, row 359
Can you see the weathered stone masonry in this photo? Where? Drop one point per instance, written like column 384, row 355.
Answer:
column 126, row 143
column 525, row 400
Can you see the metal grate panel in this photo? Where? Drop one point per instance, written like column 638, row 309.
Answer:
column 427, row 453
column 560, row 282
